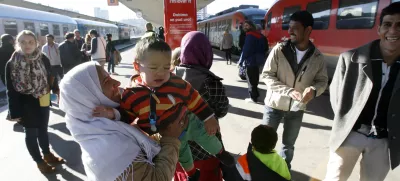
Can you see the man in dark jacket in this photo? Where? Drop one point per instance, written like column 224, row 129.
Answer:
column 252, row 58
column 6, row 50
column 70, row 55
column 365, row 97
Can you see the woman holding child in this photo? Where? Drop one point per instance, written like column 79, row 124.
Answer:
column 111, row 149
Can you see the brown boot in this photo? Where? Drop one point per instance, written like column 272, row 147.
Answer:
column 51, row 159
column 46, row 168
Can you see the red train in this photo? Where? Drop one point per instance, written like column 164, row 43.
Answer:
column 214, row 27
column 339, row 25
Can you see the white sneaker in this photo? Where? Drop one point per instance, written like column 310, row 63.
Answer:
column 249, row 100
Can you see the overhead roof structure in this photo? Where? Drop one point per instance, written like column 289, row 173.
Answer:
column 153, row 10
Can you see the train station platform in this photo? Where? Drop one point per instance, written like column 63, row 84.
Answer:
column 311, row 155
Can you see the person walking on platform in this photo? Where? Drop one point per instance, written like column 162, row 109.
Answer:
column 149, row 31
column 98, row 49
column 295, row 73
column 161, row 33
column 226, row 46
column 365, row 97
column 6, row 50
column 50, row 49
column 29, row 83
column 70, row 55
column 78, row 40
column 110, row 50
column 86, row 47
column 252, row 58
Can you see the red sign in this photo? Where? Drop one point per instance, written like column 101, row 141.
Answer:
column 112, row 2
column 180, row 17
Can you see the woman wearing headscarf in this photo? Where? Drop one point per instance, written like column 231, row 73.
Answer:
column 226, row 46
column 28, row 82
column 196, row 60
column 113, row 150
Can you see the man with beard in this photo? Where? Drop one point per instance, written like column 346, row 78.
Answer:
column 252, row 58
column 295, row 73
column 365, row 95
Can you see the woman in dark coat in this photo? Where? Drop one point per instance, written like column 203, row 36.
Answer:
column 28, row 82
column 196, row 60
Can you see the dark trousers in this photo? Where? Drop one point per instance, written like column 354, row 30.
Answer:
column 35, row 135
column 253, row 77
column 57, row 72
column 228, row 54
column 111, row 64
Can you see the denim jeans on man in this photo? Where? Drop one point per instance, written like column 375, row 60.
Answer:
column 35, row 135
column 291, row 128
column 111, row 64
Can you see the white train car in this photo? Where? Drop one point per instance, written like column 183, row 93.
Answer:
column 85, row 26
column 15, row 19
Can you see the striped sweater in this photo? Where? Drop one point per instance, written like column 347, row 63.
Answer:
column 136, row 101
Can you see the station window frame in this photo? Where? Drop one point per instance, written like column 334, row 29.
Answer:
column 357, row 24
column 311, row 9
column 11, row 27
column 287, row 12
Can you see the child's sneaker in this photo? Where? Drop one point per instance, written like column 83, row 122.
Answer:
column 226, row 158
column 195, row 176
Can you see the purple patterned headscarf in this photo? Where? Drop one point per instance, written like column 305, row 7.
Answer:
column 196, row 50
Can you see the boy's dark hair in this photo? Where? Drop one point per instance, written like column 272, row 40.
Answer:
column 69, row 35
column 392, row 9
column 93, row 32
column 304, row 17
column 49, row 35
column 109, row 35
column 150, row 44
column 252, row 25
column 264, row 138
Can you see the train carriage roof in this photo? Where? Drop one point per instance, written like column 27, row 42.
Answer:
column 94, row 23
column 246, row 12
column 13, row 12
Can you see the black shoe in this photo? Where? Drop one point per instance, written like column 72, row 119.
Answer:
column 195, row 176
column 226, row 159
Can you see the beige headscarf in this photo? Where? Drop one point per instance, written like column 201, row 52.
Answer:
column 28, row 74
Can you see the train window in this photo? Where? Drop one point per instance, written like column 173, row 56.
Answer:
column 64, row 29
column 29, row 26
column 320, row 10
column 56, row 30
column 10, row 27
column 44, row 29
column 355, row 14
column 287, row 12
column 269, row 20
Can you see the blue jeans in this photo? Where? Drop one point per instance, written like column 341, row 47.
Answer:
column 111, row 64
column 35, row 135
column 291, row 128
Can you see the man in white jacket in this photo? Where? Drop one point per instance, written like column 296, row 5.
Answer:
column 50, row 49
column 98, row 51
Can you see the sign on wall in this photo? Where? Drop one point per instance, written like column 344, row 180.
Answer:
column 113, row 2
column 180, row 17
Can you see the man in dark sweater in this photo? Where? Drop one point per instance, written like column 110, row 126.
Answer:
column 70, row 55
column 365, row 97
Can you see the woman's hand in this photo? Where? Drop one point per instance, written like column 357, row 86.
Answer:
column 104, row 112
column 176, row 128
